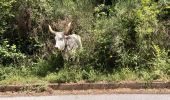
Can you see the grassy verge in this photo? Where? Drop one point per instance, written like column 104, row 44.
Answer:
column 77, row 74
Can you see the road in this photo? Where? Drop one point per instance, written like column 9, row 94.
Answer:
column 95, row 97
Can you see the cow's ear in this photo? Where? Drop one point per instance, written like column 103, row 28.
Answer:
column 66, row 37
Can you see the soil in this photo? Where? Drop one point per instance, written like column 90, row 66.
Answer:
column 50, row 92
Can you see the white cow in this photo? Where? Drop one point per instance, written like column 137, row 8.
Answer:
column 67, row 44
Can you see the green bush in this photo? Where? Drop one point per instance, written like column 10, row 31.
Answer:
column 119, row 37
column 9, row 54
column 5, row 14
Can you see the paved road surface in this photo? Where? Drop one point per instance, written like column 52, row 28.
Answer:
column 95, row 97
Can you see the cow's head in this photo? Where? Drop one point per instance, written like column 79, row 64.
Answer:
column 60, row 37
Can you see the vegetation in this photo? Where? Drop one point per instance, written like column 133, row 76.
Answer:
column 123, row 40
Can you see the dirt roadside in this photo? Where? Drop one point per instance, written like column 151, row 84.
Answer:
column 86, row 92
column 86, row 88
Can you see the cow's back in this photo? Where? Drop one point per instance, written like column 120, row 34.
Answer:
column 73, row 42
column 73, row 45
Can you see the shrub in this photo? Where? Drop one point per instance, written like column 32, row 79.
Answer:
column 9, row 54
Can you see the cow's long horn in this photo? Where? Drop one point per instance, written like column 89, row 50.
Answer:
column 68, row 28
column 51, row 30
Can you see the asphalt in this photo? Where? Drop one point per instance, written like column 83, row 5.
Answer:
column 95, row 97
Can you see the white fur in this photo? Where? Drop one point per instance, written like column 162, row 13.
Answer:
column 67, row 44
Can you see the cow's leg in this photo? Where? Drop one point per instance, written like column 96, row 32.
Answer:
column 75, row 57
column 65, row 56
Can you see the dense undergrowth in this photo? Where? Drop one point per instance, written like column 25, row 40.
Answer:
column 123, row 40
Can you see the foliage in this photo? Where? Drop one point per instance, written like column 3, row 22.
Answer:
column 122, row 40
column 161, row 63
column 5, row 14
column 9, row 54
